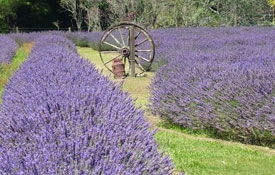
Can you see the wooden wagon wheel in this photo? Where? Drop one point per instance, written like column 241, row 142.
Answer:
column 130, row 43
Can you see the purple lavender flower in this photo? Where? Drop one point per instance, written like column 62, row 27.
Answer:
column 60, row 116
column 8, row 49
column 217, row 79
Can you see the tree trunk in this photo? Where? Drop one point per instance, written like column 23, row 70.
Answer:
column 235, row 19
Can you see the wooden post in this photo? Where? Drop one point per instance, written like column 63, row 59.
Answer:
column 132, row 51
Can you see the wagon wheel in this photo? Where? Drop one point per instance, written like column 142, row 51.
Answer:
column 116, row 43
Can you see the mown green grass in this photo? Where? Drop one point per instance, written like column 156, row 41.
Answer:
column 194, row 154
column 7, row 70
column 198, row 155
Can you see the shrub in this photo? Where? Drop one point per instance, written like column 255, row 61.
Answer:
column 8, row 48
column 85, row 39
column 54, row 40
column 60, row 116
column 22, row 38
column 225, row 89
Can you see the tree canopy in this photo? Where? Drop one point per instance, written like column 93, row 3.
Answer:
column 90, row 15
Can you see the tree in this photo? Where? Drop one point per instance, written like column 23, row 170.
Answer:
column 152, row 11
column 34, row 14
column 236, row 12
column 105, row 14
column 92, row 19
column 272, row 5
column 94, row 13
column 7, row 15
column 147, row 12
column 100, row 14
column 77, row 10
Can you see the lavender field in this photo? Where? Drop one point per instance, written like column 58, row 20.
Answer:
column 220, row 80
column 60, row 116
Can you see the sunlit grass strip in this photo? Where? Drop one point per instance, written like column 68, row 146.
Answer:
column 7, row 70
column 207, row 157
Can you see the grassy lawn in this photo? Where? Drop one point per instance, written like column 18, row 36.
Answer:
column 196, row 155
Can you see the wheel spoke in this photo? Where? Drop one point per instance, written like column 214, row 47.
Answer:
column 139, row 65
column 116, row 40
column 143, row 50
column 139, row 32
column 112, row 45
column 143, row 41
column 143, row 58
column 127, row 63
column 121, row 37
column 111, row 59
column 124, row 60
column 107, row 52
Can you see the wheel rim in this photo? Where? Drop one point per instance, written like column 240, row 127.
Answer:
column 115, row 44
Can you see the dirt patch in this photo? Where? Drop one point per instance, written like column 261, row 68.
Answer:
column 28, row 46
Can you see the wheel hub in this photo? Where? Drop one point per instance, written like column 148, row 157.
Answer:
column 125, row 52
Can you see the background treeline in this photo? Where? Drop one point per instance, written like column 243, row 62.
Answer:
column 95, row 15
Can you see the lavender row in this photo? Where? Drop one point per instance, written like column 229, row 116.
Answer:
column 60, row 116
column 212, row 43
column 8, row 47
column 220, row 80
column 83, row 39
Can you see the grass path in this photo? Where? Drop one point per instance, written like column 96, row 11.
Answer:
column 196, row 155
column 7, row 70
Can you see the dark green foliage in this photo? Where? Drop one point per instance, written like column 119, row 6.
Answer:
column 37, row 15
column 105, row 14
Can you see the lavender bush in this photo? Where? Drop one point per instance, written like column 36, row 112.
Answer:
column 218, row 80
column 22, row 38
column 85, row 39
column 60, row 116
column 53, row 40
column 213, row 43
column 8, row 48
